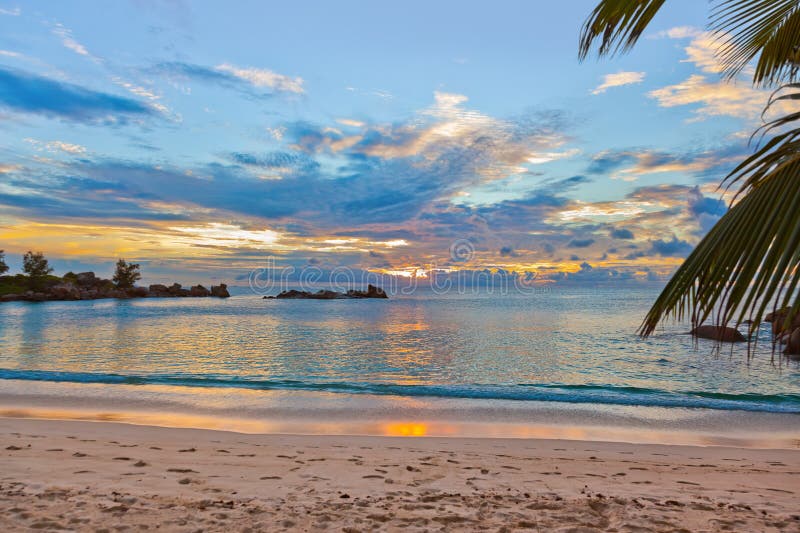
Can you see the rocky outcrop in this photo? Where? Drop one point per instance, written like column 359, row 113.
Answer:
column 719, row 333
column 786, row 330
column 322, row 294
column 199, row 291
column 371, row 292
column 87, row 286
column 65, row 291
column 220, row 291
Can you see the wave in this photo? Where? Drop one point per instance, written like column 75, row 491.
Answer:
column 549, row 392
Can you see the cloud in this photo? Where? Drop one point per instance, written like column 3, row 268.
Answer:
column 15, row 12
column 6, row 168
column 609, row 160
column 712, row 99
column 707, row 210
column 621, row 233
column 703, row 50
column 629, row 165
column 508, row 251
column 70, row 43
column 618, row 80
column 680, row 32
column 580, row 243
column 671, row 248
column 447, row 138
column 29, row 93
column 57, row 146
column 245, row 79
column 264, row 78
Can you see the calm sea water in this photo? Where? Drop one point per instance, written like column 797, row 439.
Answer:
column 562, row 345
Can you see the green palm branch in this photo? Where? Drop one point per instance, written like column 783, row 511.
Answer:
column 747, row 265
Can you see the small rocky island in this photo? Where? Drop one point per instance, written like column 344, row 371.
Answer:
column 37, row 284
column 87, row 286
column 371, row 292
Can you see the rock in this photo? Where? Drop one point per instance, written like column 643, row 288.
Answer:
column 304, row 295
column 199, row 291
column 372, row 292
column 322, row 294
column 175, row 289
column 86, row 279
column 10, row 298
column 793, row 344
column 137, row 292
column 220, row 291
column 779, row 319
column 158, row 291
column 718, row 333
column 64, row 291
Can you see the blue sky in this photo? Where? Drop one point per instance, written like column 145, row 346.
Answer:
column 198, row 139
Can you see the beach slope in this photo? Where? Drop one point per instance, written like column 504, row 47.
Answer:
column 92, row 476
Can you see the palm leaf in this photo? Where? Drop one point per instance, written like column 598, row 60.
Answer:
column 769, row 29
column 748, row 263
column 617, row 24
column 749, row 260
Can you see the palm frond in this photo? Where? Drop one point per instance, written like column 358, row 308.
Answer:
column 617, row 24
column 769, row 29
column 748, row 263
column 753, row 169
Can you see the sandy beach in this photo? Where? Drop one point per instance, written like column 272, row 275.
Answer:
column 103, row 476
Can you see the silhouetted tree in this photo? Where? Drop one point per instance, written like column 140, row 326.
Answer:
column 36, row 267
column 3, row 265
column 126, row 274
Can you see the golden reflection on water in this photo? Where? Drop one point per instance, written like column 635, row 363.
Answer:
column 407, row 428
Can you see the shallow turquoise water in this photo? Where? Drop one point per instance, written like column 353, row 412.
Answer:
column 562, row 345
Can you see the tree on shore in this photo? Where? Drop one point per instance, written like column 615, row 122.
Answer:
column 3, row 265
column 750, row 260
column 36, row 267
column 126, row 274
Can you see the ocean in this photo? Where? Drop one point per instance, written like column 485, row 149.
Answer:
column 560, row 344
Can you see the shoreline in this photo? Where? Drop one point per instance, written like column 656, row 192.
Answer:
column 85, row 475
column 321, row 413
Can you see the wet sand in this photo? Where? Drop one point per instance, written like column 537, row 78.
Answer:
column 93, row 476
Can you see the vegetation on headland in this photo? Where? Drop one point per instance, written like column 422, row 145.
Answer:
column 37, row 283
column 748, row 263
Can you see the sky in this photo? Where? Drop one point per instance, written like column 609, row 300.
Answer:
column 203, row 139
